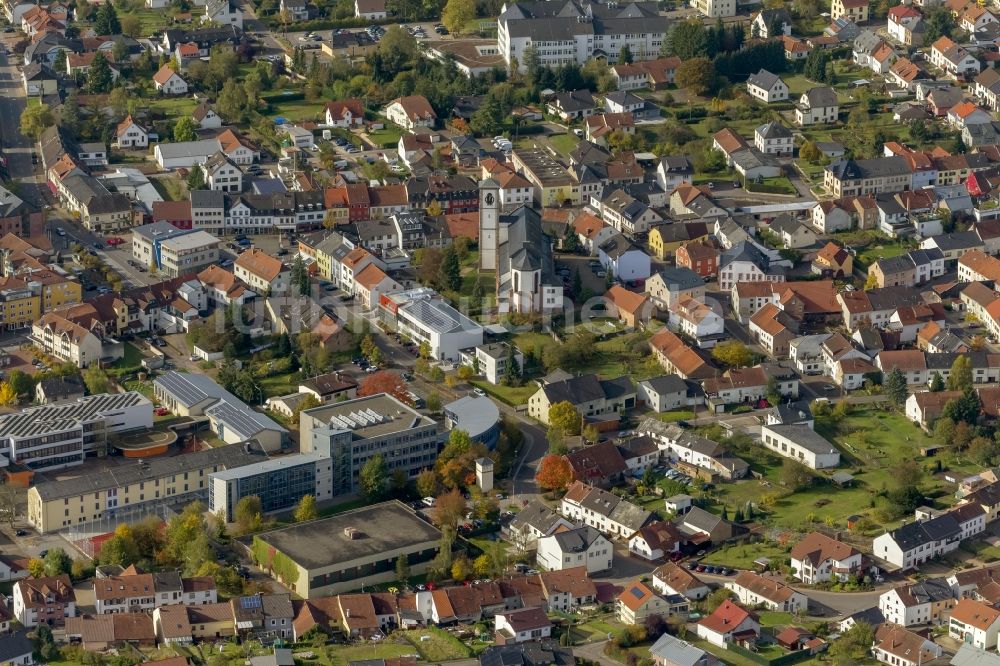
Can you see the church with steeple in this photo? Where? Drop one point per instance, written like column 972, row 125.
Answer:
column 514, row 246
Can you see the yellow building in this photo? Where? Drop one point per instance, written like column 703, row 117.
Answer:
column 55, row 289
column 554, row 184
column 20, row 307
column 54, row 505
column 664, row 239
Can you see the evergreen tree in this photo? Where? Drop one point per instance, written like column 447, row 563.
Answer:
column 107, row 23
column 511, row 369
column 937, row 382
column 451, row 270
column 625, row 56
column 895, row 387
column 99, row 76
column 69, row 116
column 965, row 408
column 196, row 178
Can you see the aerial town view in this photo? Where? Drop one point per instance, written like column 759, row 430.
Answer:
column 500, row 332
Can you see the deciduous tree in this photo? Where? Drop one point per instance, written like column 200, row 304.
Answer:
column 384, row 381
column 374, row 477
column 457, row 14
column 697, row 75
column 95, row 380
column 449, row 509
column 795, row 475
column 732, row 353
column 563, row 415
column 554, row 473
column 35, row 120
column 8, row 396
column 184, row 129
column 960, row 376
column 306, row 509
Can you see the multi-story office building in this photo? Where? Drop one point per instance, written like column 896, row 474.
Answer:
column 422, row 315
column 573, row 32
column 131, row 489
column 354, row 431
column 188, row 254
column 56, row 436
column 279, row 483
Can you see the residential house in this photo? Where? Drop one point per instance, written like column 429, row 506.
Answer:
column 767, row 87
column 410, row 112
column 752, row 589
column 818, row 558
column 580, row 547
column 818, row 105
column 48, row 600
column 974, row 623
column 169, row 82
column 728, row 623
column 638, row 602
column 672, row 578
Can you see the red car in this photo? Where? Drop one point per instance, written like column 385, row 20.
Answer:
column 115, row 240
column 161, row 411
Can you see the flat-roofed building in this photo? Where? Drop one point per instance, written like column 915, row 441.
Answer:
column 422, row 315
column 554, row 184
column 188, row 254
column 344, row 552
column 801, row 443
column 54, row 504
column 354, row 431
column 280, row 483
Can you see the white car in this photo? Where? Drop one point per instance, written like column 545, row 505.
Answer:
column 480, row 392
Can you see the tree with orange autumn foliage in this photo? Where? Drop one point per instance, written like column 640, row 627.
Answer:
column 554, row 473
column 449, row 509
column 384, row 381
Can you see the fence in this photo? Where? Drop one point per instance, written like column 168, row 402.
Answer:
column 781, row 660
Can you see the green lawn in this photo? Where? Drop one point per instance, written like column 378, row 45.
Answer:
column 741, row 556
column 880, row 250
column 675, row 415
column 870, row 443
column 342, row 507
column 280, row 384
column 297, row 110
column 341, row 655
column 437, row 645
column 776, row 185
column 564, row 143
column 512, row 395
column 172, row 107
column 387, row 136
column 130, row 362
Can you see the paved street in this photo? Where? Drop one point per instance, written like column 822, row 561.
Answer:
column 16, row 147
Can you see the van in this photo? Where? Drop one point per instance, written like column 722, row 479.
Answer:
column 428, row 501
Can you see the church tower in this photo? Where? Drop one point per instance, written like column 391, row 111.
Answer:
column 489, row 221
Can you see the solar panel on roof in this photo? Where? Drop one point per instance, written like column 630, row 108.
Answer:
column 249, row 602
column 637, row 593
